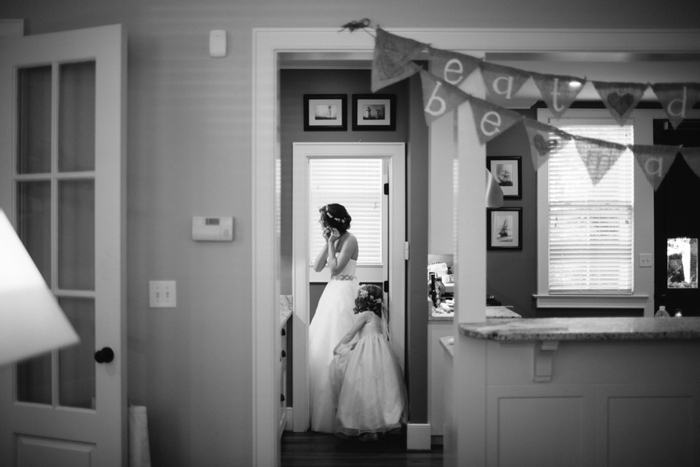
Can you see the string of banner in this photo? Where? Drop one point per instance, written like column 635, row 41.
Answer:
column 393, row 62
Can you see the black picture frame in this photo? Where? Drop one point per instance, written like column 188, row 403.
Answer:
column 512, row 166
column 373, row 112
column 325, row 112
column 504, row 228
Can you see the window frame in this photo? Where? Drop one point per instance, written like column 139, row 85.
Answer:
column 365, row 271
column 643, row 280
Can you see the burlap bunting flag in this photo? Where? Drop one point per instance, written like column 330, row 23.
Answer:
column 502, row 82
column 598, row 156
column 545, row 141
column 452, row 67
column 655, row 161
column 692, row 158
column 677, row 99
column 620, row 98
column 439, row 97
column 392, row 54
column 491, row 120
column 557, row 91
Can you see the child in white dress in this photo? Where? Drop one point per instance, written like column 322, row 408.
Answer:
column 366, row 376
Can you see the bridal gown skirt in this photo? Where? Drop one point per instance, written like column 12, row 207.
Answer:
column 372, row 394
column 333, row 319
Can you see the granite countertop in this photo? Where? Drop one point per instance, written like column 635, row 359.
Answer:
column 285, row 308
column 582, row 329
column 492, row 312
column 448, row 343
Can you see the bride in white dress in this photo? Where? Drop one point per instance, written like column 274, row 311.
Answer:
column 334, row 313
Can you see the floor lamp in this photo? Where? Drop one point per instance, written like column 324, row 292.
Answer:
column 494, row 192
column 31, row 321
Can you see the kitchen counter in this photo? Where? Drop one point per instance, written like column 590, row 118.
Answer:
column 575, row 391
column 584, row 329
column 285, row 308
column 492, row 312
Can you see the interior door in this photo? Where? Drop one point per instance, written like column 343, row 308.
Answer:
column 62, row 185
column 675, row 276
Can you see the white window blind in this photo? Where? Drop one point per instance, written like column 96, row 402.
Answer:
column 357, row 184
column 591, row 227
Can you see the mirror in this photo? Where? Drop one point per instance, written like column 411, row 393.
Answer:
column 682, row 263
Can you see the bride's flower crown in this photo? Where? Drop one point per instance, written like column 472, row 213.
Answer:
column 329, row 215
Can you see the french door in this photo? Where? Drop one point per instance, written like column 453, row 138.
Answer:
column 62, row 170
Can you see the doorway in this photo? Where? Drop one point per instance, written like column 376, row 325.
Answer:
column 387, row 265
column 676, row 225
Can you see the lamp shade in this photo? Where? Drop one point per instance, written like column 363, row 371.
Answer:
column 494, row 192
column 31, row 321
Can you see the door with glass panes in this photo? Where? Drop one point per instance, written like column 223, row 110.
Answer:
column 62, row 186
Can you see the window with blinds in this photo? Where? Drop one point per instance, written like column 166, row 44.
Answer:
column 357, row 184
column 591, row 227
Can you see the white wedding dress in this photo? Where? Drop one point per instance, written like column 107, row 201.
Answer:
column 333, row 319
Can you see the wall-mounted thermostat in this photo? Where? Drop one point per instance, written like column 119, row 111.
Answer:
column 212, row 229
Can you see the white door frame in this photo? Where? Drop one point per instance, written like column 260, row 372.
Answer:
column 268, row 44
column 395, row 154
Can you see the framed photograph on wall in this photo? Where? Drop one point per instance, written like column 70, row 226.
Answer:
column 325, row 112
column 374, row 112
column 504, row 229
column 509, row 173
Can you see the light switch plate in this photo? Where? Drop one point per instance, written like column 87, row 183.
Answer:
column 645, row 260
column 162, row 294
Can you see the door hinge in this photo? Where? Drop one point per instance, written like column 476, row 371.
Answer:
column 406, row 251
column 386, row 286
column 386, row 188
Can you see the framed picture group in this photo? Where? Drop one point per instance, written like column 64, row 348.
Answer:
column 370, row 112
column 505, row 225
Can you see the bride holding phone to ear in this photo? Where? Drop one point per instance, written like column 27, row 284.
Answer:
column 334, row 313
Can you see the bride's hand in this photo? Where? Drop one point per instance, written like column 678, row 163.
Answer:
column 335, row 235
column 326, row 233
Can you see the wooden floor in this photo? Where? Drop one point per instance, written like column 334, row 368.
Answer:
column 325, row 450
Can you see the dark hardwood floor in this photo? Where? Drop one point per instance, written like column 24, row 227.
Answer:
column 326, row 450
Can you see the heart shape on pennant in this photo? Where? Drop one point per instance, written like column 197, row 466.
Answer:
column 621, row 104
column 544, row 146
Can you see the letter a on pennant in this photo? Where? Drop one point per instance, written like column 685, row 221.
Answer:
column 655, row 161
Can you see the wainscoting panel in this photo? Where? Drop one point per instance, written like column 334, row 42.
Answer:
column 540, row 426
column 648, row 425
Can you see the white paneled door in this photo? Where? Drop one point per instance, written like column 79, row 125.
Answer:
column 62, row 173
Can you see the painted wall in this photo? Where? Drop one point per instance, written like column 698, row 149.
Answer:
column 189, row 145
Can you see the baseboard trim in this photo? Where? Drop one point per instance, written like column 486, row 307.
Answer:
column 289, row 425
column 418, row 436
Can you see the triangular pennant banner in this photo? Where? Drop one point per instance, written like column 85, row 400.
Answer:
column 654, row 161
column 452, row 67
column 692, row 158
column 677, row 99
column 502, row 82
column 392, row 54
column 491, row 120
column 439, row 97
column 620, row 98
column 598, row 156
column 545, row 141
column 558, row 92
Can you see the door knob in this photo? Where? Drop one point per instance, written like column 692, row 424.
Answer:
column 105, row 355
